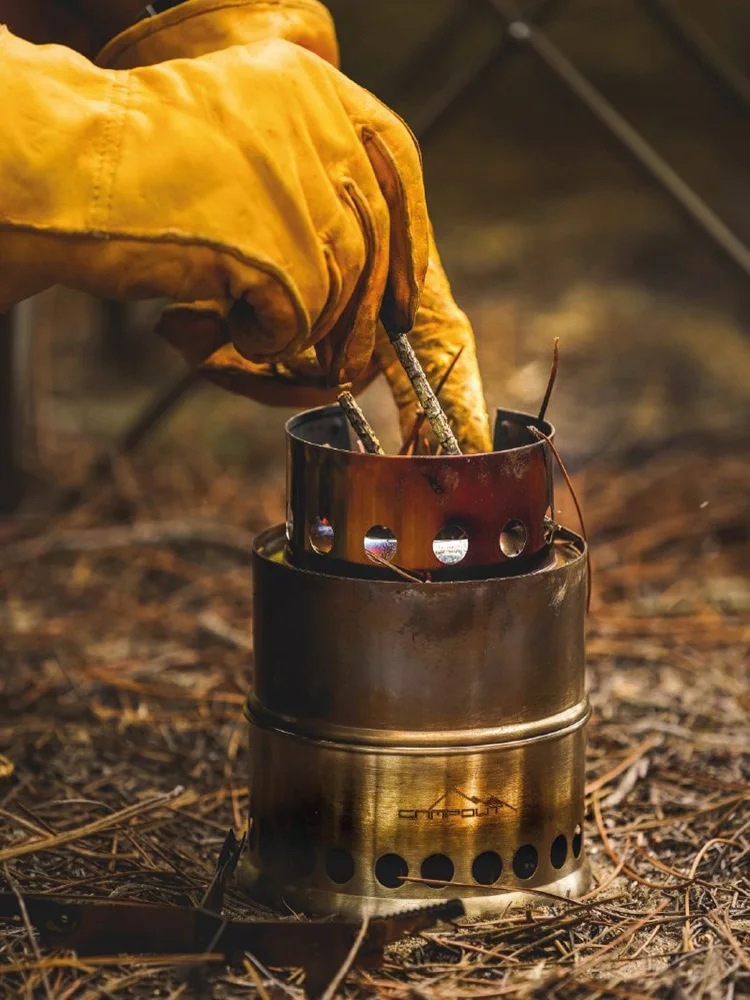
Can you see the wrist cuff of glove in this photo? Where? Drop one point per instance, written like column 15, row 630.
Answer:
column 197, row 27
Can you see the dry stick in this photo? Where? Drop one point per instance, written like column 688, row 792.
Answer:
column 360, row 424
column 616, row 858
column 687, row 941
column 166, row 532
column 621, row 939
column 603, row 886
column 257, row 981
column 114, row 819
column 427, row 398
column 633, row 757
column 723, row 927
column 330, row 992
column 413, row 435
column 551, row 380
column 27, row 924
column 543, row 437
column 386, row 564
column 90, row 962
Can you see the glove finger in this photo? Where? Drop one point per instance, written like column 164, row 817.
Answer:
column 346, row 351
column 196, row 328
column 275, row 384
column 394, row 154
column 440, row 332
column 184, row 32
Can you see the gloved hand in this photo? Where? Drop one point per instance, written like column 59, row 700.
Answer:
column 257, row 175
column 200, row 330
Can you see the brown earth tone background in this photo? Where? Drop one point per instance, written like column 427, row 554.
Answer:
column 124, row 660
column 546, row 230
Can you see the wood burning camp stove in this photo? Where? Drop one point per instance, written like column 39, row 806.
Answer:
column 418, row 706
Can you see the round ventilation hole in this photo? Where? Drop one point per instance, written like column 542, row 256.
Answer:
column 577, row 841
column 487, row 868
column 339, row 865
column 321, row 535
column 380, row 543
column 525, row 861
column 439, row 868
column 450, row 545
column 390, row 870
column 513, row 539
column 558, row 853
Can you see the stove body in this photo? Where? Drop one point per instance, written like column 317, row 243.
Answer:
column 418, row 706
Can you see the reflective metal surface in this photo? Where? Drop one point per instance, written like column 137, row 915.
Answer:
column 353, row 500
column 416, row 731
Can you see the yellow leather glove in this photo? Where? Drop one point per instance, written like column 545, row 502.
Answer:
column 199, row 329
column 257, row 174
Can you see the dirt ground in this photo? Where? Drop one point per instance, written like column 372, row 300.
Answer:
column 126, row 656
column 125, row 633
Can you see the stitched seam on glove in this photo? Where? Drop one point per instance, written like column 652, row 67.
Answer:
column 179, row 15
column 266, row 267
column 369, row 136
column 98, row 179
column 116, row 136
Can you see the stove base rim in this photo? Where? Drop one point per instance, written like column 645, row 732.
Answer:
column 477, row 903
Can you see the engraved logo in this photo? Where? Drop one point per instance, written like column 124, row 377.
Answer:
column 456, row 804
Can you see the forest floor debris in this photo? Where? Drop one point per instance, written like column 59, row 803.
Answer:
column 126, row 652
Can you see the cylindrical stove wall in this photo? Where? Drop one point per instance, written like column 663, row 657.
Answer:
column 428, row 731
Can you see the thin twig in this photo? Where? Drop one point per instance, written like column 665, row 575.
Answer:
column 686, row 930
column 105, row 823
column 396, row 569
column 427, row 398
column 550, row 381
column 28, row 925
column 558, row 458
column 621, row 938
column 635, row 755
column 721, row 924
column 613, row 854
column 334, row 984
column 413, row 435
column 257, row 981
column 141, row 533
column 360, row 424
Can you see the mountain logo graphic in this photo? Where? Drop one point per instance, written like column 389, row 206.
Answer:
column 456, row 804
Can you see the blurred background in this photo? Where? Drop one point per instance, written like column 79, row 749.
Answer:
column 547, row 229
column 125, row 605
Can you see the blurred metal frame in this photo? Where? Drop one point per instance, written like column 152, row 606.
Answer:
column 519, row 30
column 19, row 456
column 18, row 430
column 700, row 47
column 10, row 462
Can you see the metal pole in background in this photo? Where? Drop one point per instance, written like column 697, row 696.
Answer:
column 428, row 52
column 700, row 47
column 629, row 138
column 434, row 113
column 11, row 477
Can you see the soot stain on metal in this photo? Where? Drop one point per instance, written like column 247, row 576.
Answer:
column 396, row 690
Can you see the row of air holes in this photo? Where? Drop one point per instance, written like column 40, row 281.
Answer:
column 450, row 545
column 391, row 869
